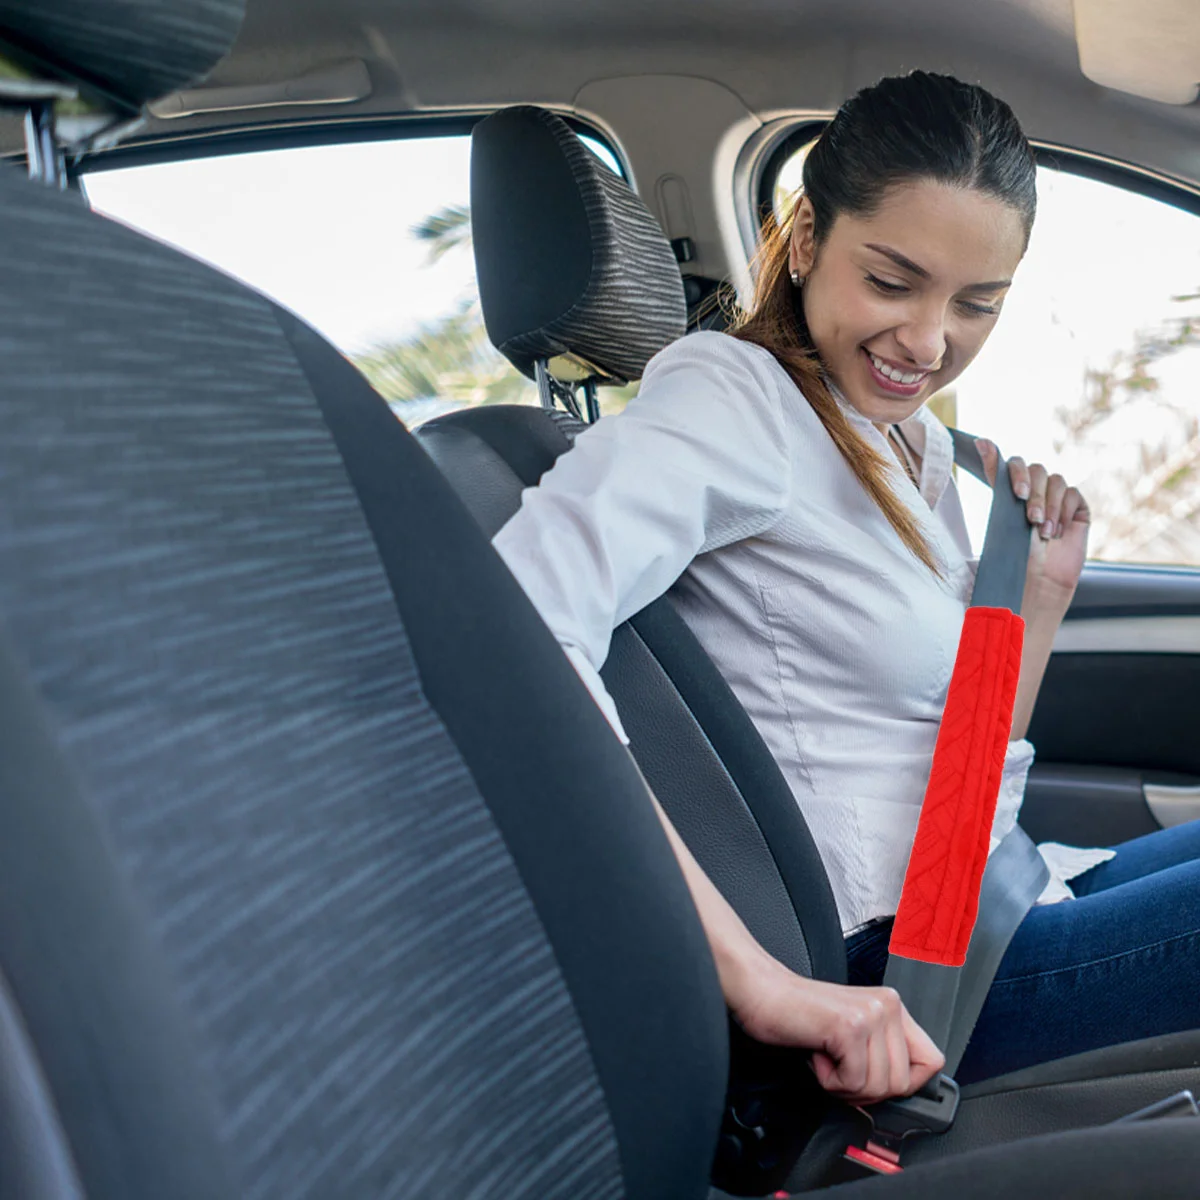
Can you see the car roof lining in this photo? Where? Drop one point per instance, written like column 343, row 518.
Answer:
column 680, row 86
column 434, row 55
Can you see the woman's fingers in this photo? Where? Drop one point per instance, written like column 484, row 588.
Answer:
column 851, row 1053
column 989, row 453
column 1056, row 490
column 900, row 1080
column 1018, row 476
column 1051, row 505
column 1035, row 507
column 872, row 1056
column 1075, row 508
column 925, row 1059
column 865, row 1047
column 879, row 1063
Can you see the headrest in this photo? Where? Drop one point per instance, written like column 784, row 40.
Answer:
column 571, row 266
column 127, row 51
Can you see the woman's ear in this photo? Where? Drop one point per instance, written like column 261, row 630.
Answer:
column 803, row 249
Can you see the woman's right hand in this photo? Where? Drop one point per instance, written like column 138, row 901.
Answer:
column 865, row 1045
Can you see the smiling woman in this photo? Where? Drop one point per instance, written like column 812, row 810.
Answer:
column 841, row 300
column 791, row 488
column 1094, row 362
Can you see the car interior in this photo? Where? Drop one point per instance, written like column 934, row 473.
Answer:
column 324, row 876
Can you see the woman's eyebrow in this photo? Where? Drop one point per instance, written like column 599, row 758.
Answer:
column 899, row 259
column 907, row 263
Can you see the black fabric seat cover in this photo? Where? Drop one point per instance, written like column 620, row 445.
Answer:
column 373, row 939
column 131, row 50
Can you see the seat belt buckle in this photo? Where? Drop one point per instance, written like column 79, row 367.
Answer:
column 931, row 1110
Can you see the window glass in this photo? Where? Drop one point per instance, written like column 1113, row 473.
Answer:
column 1092, row 365
column 369, row 242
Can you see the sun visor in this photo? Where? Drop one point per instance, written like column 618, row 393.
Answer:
column 1149, row 48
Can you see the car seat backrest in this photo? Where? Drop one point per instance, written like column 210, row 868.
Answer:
column 127, row 51
column 321, row 875
column 698, row 749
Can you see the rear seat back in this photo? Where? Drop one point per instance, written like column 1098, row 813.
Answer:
column 692, row 739
column 321, row 874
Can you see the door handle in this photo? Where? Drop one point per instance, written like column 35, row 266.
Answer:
column 1172, row 805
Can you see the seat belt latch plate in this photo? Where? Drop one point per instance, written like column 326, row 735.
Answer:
column 931, row 1110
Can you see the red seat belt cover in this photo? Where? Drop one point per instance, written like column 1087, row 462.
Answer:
column 940, row 899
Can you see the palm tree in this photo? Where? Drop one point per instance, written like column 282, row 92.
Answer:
column 445, row 230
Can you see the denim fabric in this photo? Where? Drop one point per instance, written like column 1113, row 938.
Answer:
column 1120, row 962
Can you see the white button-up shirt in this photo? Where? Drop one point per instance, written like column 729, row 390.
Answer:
column 719, row 485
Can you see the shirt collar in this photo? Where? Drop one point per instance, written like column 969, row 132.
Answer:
column 924, row 433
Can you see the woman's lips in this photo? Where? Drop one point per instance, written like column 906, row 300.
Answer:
column 891, row 386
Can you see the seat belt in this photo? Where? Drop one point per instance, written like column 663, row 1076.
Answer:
column 960, row 907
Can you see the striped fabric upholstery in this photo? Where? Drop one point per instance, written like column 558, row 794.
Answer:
column 187, row 574
column 138, row 49
column 632, row 304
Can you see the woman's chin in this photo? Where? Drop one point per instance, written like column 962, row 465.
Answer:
column 884, row 410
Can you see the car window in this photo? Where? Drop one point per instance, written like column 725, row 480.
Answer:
column 369, row 242
column 1092, row 367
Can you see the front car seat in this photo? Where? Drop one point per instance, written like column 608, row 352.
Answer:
column 604, row 254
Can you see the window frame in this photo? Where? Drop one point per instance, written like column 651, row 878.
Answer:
column 227, row 142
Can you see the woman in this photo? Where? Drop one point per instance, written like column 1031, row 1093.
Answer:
column 788, row 485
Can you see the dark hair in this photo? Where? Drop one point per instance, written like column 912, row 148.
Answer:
column 901, row 129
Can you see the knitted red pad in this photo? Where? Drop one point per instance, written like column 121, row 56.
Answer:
column 940, row 900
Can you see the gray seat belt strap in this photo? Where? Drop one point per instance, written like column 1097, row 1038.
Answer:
column 946, row 1001
column 1000, row 579
column 1012, row 881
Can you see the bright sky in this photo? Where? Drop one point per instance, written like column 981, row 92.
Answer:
column 326, row 230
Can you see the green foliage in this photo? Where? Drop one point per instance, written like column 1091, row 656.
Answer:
column 450, row 360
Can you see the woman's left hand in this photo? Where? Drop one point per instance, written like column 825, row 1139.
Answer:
column 1060, row 515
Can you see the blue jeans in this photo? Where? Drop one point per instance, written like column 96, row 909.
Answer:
column 1120, row 962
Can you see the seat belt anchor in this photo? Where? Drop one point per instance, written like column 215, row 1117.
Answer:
column 931, row 1110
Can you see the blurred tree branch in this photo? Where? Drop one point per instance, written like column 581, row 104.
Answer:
column 1148, row 509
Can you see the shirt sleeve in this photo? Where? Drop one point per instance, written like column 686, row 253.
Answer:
column 697, row 460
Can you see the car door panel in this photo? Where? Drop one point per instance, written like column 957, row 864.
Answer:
column 1117, row 725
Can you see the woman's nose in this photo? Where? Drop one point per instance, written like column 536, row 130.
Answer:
column 924, row 340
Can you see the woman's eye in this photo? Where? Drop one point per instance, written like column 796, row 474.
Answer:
column 882, row 285
column 979, row 310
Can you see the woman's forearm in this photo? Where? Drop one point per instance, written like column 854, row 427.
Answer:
column 738, row 956
column 1043, row 609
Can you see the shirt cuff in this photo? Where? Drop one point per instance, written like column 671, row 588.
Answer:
column 595, row 685
column 1018, row 758
column 1065, row 862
